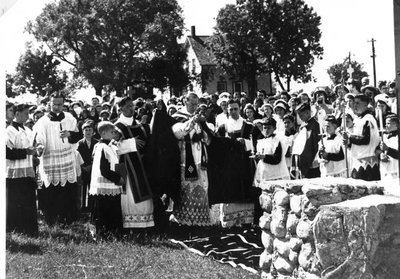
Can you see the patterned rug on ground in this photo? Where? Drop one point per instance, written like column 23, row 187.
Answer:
column 237, row 247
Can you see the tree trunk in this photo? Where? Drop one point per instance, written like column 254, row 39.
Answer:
column 251, row 82
column 288, row 83
column 98, row 90
column 279, row 82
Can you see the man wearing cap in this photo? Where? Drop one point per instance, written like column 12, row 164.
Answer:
column 20, row 182
column 305, row 146
column 104, row 115
column 364, row 81
column 56, row 133
column 223, row 116
column 137, row 203
column 364, row 141
column 85, row 148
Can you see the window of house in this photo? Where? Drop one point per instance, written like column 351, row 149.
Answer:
column 222, row 86
column 186, row 66
column 193, row 66
column 237, row 86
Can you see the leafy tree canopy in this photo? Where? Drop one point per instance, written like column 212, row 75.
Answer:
column 255, row 37
column 37, row 72
column 109, row 42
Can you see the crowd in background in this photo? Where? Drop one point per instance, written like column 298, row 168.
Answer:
column 349, row 131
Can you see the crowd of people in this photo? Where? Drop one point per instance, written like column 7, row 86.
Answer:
column 137, row 163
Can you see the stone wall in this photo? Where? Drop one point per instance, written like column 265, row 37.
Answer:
column 307, row 227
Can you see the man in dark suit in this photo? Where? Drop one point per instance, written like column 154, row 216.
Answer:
column 85, row 148
column 307, row 142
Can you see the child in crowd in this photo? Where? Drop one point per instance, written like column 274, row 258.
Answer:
column 288, row 138
column 105, row 185
column 389, row 167
column 331, row 151
column 272, row 163
column 85, row 148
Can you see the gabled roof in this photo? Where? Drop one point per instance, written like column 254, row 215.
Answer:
column 205, row 56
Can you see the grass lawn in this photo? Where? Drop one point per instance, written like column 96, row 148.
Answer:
column 70, row 252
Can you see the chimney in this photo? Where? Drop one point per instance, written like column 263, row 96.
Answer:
column 193, row 30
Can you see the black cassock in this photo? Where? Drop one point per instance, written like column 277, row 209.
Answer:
column 230, row 169
column 135, row 161
column 163, row 158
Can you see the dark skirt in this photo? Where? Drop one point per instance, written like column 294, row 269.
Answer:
column 21, row 205
column 106, row 213
column 59, row 203
column 367, row 174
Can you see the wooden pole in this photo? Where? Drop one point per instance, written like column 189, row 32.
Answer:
column 396, row 12
column 373, row 59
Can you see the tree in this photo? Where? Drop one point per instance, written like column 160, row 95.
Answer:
column 109, row 42
column 168, row 70
column 234, row 45
column 295, row 42
column 256, row 37
column 9, row 86
column 335, row 71
column 38, row 72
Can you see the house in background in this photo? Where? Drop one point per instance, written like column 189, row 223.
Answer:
column 202, row 65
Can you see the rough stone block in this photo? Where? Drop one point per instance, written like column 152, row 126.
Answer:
column 296, row 204
column 267, row 240
column 304, row 229
column 291, row 223
column 281, row 198
column 345, row 188
column 330, row 239
column 282, row 247
column 295, row 244
column 278, row 223
column 278, row 228
column 293, row 258
column 265, row 261
column 294, row 187
column 265, row 221
column 362, row 235
column 334, row 197
column 308, row 208
column 312, row 190
column 265, row 202
column 305, row 256
column 283, row 266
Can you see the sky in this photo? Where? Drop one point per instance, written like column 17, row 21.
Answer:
column 347, row 25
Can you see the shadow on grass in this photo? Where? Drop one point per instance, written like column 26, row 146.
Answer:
column 76, row 232
column 22, row 244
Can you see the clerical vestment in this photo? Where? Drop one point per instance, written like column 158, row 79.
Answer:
column 137, row 203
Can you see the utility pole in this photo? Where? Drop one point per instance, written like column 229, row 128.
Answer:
column 373, row 59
